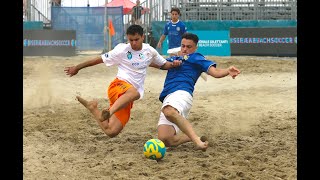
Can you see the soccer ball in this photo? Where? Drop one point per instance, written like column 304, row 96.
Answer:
column 154, row 149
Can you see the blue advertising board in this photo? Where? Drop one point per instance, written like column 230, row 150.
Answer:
column 214, row 43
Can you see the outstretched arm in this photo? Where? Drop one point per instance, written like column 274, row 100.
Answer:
column 73, row 70
column 161, row 40
column 167, row 65
column 220, row 73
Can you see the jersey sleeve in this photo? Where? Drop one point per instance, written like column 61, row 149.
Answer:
column 157, row 58
column 199, row 59
column 111, row 58
column 183, row 29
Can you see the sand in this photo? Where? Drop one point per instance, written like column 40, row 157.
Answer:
column 250, row 121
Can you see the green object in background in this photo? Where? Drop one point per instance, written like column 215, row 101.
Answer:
column 32, row 25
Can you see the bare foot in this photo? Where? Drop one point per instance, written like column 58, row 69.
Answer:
column 203, row 144
column 91, row 105
column 105, row 115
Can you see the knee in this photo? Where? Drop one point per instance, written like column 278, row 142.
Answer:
column 165, row 139
column 111, row 132
column 169, row 112
column 133, row 94
column 162, row 138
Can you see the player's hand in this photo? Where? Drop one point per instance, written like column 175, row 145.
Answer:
column 71, row 71
column 176, row 63
column 233, row 71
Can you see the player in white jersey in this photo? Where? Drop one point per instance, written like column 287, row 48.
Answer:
column 132, row 60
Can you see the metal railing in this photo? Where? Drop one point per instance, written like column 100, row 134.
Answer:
column 37, row 10
column 159, row 10
column 223, row 9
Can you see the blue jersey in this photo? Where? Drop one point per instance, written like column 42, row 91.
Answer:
column 185, row 76
column 174, row 31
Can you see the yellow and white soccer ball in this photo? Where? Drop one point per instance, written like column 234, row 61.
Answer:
column 154, row 149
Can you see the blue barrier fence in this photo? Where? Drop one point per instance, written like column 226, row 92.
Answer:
column 89, row 22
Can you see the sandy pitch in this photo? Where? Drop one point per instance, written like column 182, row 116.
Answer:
column 250, row 122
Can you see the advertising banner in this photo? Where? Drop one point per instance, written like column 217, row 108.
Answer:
column 264, row 41
column 49, row 42
column 214, row 43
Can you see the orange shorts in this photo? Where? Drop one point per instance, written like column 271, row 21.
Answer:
column 116, row 89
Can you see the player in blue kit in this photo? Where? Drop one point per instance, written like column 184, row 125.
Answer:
column 174, row 30
column 177, row 93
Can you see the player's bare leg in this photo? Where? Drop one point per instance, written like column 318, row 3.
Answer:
column 111, row 126
column 185, row 126
column 129, row 96
column 167, row 134
column 105, row 115
column 92, row 106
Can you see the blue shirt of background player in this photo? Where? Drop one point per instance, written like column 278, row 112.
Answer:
column 174, row 31
column 185, row 76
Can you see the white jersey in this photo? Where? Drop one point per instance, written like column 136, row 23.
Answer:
column 132, row 65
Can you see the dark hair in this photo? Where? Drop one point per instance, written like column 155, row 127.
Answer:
column 191, row 36
column 175, row 9
column 134, row 29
